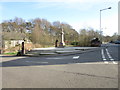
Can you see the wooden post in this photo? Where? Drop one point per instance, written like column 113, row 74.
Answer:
column 56, row 43
column 23, row 49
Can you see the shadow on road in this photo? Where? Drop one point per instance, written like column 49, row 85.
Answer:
column 37, row 61
column 90, row 57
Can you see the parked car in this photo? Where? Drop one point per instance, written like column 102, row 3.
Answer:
column 95, row 42
column 117, row 42
column 111, row 42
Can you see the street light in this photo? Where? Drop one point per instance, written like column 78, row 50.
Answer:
column 100, row 20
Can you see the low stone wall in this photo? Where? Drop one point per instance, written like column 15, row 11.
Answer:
column 28, row 47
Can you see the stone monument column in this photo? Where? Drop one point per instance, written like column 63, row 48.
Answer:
column 62, row 38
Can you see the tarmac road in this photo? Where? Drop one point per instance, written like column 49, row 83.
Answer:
column 96, row 69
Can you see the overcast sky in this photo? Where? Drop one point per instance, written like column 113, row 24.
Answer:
column 78, row 13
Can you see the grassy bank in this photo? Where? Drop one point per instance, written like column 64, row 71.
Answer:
column 15, row 53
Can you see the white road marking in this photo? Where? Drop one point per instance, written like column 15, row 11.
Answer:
column 103, row 57
column 54, row 58
column 77, row 63
column 102, row 52
column 41, row 62
column 115, row 62
column 108, row 54
column 27, row 61
column 35, row 62
column 76, row 57
column 106, row 62
column 110, row 57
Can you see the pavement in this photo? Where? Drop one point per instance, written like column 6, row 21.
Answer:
column 58, row 51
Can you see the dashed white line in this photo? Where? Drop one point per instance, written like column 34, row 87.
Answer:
column 106, row 62
column 103, row 57
column 77, row 63
column 110, row 57
column 115, row 62
column 35, row 62
column 27, row 61
column 108, row 54
column 76, row 57
column 54, row 58
column 102, row 52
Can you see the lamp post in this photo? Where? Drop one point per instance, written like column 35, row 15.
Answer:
column 100, row 21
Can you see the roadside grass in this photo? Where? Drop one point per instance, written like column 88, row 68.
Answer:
column 12, row 53
column 69, row 45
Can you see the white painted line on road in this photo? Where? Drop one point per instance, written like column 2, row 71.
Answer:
column 115, row 62
column 76, row 57
column 54, row 58
column 27, row 61
column 71, row 63
column 41, row 62
column 110, row 57
column 77, row 63
column 103, row 57
column 102, row 52
column 35, row 62
column 108, row 54
column 49, row 65
column 106, row 62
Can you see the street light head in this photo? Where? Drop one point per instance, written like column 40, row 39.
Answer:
column 109, row 7
column 106, row 8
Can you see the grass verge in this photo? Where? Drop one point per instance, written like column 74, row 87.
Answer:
column 13, row 53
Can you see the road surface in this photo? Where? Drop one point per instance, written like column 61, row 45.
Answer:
column 95, row 69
